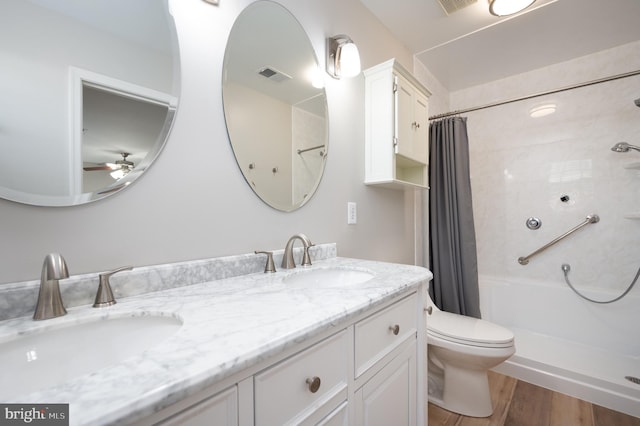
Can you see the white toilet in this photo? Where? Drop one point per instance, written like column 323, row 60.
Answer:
column 461, row 350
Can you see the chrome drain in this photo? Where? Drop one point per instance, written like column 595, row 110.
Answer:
column 633, row 379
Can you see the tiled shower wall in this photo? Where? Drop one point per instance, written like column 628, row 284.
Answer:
column 522, row 166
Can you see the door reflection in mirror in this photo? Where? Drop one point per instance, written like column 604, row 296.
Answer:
column 116, row 126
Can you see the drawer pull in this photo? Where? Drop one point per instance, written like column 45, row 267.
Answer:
column 314, row 384
column 395, row 329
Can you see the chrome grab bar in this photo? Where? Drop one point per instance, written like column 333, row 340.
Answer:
column 592, row 218
column 300, row 151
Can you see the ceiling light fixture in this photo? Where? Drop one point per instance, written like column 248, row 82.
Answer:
column 542, row 110
column 343, row 58
column 508, row 7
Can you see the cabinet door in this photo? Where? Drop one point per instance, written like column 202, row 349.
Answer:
column 404, row 117
column 421, row 128
column 412, row 122
column 219, row 410
column 389, row 398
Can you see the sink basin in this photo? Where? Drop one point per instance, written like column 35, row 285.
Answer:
column 51, row 356
column 335, row 277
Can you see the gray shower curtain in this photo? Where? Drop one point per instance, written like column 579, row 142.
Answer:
column 452, row 247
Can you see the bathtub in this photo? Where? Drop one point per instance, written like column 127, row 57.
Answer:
column 567, row 344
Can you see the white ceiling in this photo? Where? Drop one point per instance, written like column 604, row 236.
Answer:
column 471, row 46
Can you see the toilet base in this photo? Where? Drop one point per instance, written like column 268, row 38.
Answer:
column 461, row 391
column 467, row 392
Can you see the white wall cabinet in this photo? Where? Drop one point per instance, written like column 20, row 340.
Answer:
column 396, row 127
column 365, row 373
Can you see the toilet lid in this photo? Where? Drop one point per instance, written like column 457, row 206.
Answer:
column 470, row 330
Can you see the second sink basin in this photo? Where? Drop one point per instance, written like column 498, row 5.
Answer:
column 337, row 277
column 51, row 356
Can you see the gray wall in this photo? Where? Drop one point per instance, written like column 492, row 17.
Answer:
column 194, row 203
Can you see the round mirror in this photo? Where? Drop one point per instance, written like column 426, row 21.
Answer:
column 275, row 105
column 89, row 92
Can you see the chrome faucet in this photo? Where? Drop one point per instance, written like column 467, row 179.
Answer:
column 287, row 259
column 50, row 303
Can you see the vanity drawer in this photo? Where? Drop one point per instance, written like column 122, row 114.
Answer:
column 286, row 393
column 382, row 332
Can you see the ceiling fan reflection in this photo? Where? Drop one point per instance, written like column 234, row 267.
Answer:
column 118, row 170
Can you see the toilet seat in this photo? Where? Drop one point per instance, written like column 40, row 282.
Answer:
column 468, row 331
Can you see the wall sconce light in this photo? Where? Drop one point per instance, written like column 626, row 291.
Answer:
column 343, row 58
column 508, row 7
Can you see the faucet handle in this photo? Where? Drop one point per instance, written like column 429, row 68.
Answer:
column 306, row 258
column 104, row 296
column 270, row 266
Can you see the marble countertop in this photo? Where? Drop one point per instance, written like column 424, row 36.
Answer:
column 228, row 325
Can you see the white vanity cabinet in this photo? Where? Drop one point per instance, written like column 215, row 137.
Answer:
column 396, row 127
column 363, row 373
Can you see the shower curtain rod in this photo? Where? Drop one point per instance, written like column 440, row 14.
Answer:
column 549, row 92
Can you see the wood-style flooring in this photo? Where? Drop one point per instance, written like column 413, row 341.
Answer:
column 518, row 403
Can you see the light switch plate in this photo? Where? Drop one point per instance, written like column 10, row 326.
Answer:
column 352, row 213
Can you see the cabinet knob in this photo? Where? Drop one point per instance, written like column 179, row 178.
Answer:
column 395, row 329
column 415, row 125
column 314, row 384
column 429, row 310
